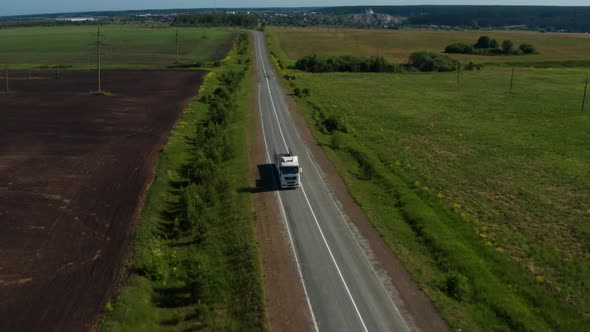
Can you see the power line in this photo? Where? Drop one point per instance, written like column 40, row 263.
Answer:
column 99, row 44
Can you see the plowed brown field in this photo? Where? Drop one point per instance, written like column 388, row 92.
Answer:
column 74, row 168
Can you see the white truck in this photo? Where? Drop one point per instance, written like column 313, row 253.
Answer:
column 288, row 169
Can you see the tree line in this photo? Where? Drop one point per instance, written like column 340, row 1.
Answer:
column 216, row 19
column 418, row 61
column 547, row 18
column 488, row 46
column 318, row 64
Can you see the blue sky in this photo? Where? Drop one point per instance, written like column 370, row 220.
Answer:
column 18, row 7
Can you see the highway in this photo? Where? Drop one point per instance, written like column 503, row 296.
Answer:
column 342, row 289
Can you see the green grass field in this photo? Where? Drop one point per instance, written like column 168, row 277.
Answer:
column 125, row 46
column 194, row 263
column 483, row 194
column 397, row 45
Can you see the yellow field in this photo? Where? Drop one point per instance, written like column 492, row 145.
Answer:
column 397, row 45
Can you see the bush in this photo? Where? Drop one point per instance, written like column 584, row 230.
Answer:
column 338, row 140
column 231, row 79
column 507, row 47
column 196, row 279
column 156, row 264
column 456, row 286
column 432, row 62
column 335, row 123
column 494, row 51
column 194, row 210
column 366, row 164
column 459, row 48
column 483, row 42
column 471, row 66
column 527, row 48
column 494, row 44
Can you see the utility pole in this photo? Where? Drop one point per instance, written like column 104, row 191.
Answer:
column 98, row 45
column 98, row 57
column 177, row 46
column 511, row 80
column 458, row 72
column 583, row 100
column 6, row 78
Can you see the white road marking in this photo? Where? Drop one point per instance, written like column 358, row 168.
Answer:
column 284, row 217
column 270, row 95
column 325, row 186
column 308, row 203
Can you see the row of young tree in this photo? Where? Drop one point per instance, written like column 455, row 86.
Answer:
column 418, row 61
column 317, row 64
column 489, row 46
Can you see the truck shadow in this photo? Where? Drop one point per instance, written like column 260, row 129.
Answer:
column 267, row 180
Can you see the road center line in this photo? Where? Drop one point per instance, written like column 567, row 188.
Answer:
column 308, row 203
column 284, row 217
column 333, row 199
column 270, row 96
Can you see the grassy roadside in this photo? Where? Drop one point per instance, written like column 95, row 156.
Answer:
column 194, row 261
column 453, row 179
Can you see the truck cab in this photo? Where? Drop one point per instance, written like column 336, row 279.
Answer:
column 288, row 170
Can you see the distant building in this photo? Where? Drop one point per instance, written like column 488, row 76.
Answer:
column 76, row 19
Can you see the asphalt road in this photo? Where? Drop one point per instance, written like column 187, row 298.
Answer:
column 342, row 288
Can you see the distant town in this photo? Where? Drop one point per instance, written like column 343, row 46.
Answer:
column 561, row 19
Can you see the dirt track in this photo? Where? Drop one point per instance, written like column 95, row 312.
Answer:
column 73, row 170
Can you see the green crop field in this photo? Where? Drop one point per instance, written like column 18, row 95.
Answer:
column 397, row 45
column 483, row 194
column 125, row 46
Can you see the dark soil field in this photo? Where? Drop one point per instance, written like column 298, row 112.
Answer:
column 74, row 168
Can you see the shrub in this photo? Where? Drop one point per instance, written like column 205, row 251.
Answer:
column 338, row 141
column 482, row 42
column 194, row 208
column 472, row 66
column 456, row 286
column 494, row 43
column 527, row 48
column 366, row 164
column 507, row 46
column 432, row 62
column 196, row 279
column 335, row 123
column 459, row 48
column 494, row 51
column 156, row 265
column 231, row 79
